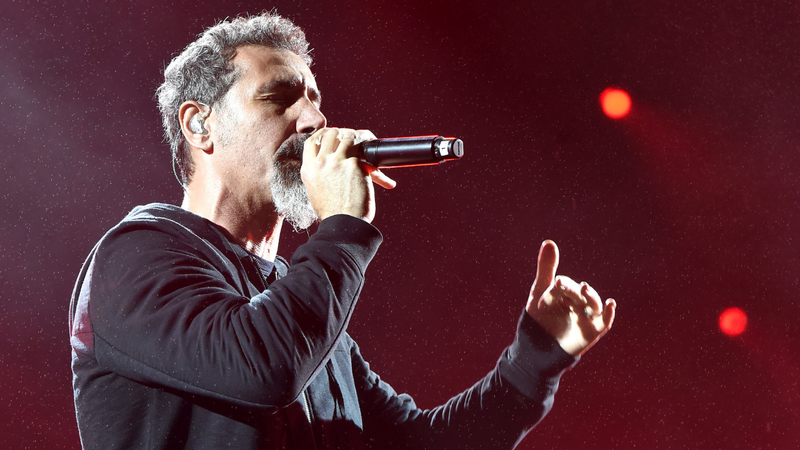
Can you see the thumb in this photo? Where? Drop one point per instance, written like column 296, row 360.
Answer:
column 545, row 268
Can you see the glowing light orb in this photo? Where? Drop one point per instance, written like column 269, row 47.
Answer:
column 615, row 102
column 732, row 321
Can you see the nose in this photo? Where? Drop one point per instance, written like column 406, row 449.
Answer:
column 311, row 118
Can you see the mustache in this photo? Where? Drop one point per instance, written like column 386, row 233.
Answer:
column 292, row 148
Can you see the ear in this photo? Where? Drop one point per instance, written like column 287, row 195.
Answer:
column 195, row 118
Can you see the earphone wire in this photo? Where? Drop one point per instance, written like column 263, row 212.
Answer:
column 175, row 172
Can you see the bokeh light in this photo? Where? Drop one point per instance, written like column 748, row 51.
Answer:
column 615, row 102
column 733, row 321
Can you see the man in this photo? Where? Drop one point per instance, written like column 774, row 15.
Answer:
column 189, row 332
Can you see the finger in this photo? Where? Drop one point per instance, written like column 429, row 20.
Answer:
column 350, row 146
column 364, row 135
column 346, row 140
column 312, row 144
column 570, row 293
column 594, row 306
column 609, row 313
column 546, row 267
column 380, row 178
column 579, row 297
column 328, row 142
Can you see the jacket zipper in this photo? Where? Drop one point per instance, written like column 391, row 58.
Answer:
column 306, row 405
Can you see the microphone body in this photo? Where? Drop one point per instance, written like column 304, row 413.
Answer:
column 411, row 151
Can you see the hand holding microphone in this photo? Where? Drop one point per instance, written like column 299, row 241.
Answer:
column 339, row 163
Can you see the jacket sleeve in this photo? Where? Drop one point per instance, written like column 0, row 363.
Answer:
column 165, row 313
column 494, row 413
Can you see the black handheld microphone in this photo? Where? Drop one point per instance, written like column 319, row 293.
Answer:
column 411, row 151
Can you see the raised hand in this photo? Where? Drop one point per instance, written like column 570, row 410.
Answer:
column 571, row 313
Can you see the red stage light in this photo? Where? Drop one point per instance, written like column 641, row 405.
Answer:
column 615, row 102
column 732, row 321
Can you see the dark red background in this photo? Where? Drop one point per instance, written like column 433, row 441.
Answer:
column 683, row 208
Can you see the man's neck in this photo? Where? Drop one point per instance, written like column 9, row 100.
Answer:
column 258, row 233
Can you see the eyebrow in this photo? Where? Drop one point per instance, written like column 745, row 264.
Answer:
column 289, row 84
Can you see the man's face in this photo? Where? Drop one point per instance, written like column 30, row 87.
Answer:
column 262, row 123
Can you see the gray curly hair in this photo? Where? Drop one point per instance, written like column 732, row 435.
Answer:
column 204, row 71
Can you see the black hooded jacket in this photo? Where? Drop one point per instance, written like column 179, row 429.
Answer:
column 180, row 341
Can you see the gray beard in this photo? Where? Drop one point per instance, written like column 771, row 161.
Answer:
column 289, row 194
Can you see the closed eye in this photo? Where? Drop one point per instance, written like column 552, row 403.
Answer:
column 280, row 100
column 285, row 93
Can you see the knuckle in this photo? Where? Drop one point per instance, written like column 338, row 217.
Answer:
column 304, row 174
